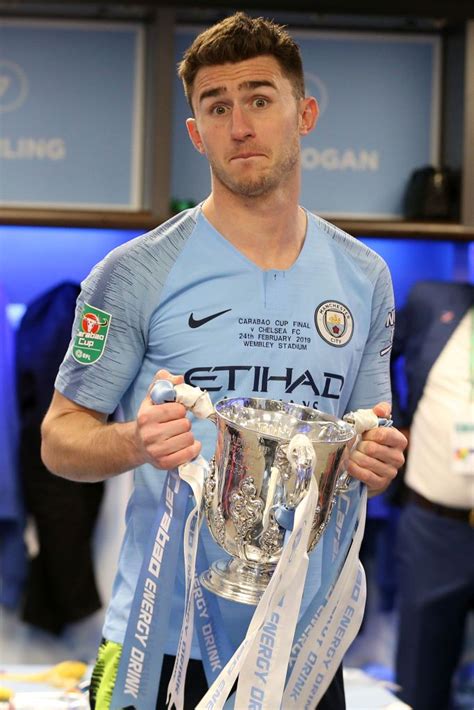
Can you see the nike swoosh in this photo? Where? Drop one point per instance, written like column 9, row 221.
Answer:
column 198, row 322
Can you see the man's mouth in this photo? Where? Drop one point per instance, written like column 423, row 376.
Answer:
column 247, row 156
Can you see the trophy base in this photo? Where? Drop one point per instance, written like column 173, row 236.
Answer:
column 237, row 581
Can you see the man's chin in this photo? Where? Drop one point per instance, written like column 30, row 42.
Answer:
column 251, row 188
column 254, row 190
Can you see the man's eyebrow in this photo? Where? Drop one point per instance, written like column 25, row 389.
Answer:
column 211, row 93
column 257, row 84
column 219, row 90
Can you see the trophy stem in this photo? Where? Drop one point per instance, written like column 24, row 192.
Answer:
column 238, row 581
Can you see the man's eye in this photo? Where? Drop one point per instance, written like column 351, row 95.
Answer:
column 219, row 110
column 260, row 102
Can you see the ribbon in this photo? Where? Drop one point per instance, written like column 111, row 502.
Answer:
column 214, row 644
column 293, row 555
column 333, row 626
column 335, row 546
column 216, row 649
column 141, row 659
column 193, row 474
column 329, row 612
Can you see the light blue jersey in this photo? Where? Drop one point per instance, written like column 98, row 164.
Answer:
column 184, row 299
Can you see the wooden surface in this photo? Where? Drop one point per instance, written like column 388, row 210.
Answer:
column 146, row 220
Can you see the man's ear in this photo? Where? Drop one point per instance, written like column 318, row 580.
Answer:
column 309, row 112
column 195, row 135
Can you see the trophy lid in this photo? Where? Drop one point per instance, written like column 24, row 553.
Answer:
column 282, row 420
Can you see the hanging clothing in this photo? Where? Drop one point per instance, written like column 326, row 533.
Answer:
column 12, row 517
column 61, row 586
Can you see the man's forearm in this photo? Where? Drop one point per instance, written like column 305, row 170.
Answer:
column 82, row 448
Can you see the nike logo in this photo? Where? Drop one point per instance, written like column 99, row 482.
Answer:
column 198, row 322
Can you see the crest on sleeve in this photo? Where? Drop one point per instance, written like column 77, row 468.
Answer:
column 334, row 323
column 91, row 336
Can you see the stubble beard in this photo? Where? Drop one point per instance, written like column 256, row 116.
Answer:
column 262, row 184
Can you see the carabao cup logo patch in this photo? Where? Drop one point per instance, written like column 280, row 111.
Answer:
column 334, row 323
column 90, row 339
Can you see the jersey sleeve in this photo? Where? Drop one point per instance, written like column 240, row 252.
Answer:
column 108, row 338
column 372, row 384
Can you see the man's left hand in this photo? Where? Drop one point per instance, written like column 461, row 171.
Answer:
column 378, row 455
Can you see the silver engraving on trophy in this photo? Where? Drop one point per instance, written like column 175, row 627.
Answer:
column 245, row 509
column 254, row 485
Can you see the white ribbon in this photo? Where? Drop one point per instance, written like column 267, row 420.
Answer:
column 193, row 473
column 364, row 419
column 195, row 399
column 338, row 623
column 300, row 451
column 263, row 673
column 293, row 562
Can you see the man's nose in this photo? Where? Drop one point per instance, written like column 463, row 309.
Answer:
column 241, row 125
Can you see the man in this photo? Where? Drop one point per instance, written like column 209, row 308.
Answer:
column 247, row 294
column 435, row 332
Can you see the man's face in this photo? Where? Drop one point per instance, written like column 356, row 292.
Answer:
column 248, row 123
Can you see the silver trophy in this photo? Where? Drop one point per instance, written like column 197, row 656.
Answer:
column 255, row 483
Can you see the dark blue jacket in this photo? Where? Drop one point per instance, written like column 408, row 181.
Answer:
column 423, row 327
column 12, row 514
column 61, row 586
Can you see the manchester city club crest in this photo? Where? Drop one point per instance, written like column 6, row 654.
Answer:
column 334, row 323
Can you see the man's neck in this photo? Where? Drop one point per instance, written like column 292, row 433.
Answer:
column 269, row 231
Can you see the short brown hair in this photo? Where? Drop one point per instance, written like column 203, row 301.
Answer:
column 241, row 37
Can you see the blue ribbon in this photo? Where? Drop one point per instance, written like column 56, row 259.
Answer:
column 216, row 648
column 141, row 660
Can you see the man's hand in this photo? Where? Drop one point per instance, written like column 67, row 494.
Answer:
column 378, row 455
column 163, row 432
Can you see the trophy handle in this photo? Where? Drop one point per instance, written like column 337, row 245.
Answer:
column 162, row 391
column 194, row 399
column 301, row 457
column 362, row 420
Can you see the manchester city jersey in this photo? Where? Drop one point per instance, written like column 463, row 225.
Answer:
column 182, row 298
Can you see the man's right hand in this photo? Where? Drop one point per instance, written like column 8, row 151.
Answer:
column 163, row 432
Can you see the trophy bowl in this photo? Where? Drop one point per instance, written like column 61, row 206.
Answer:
column 252, row 488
